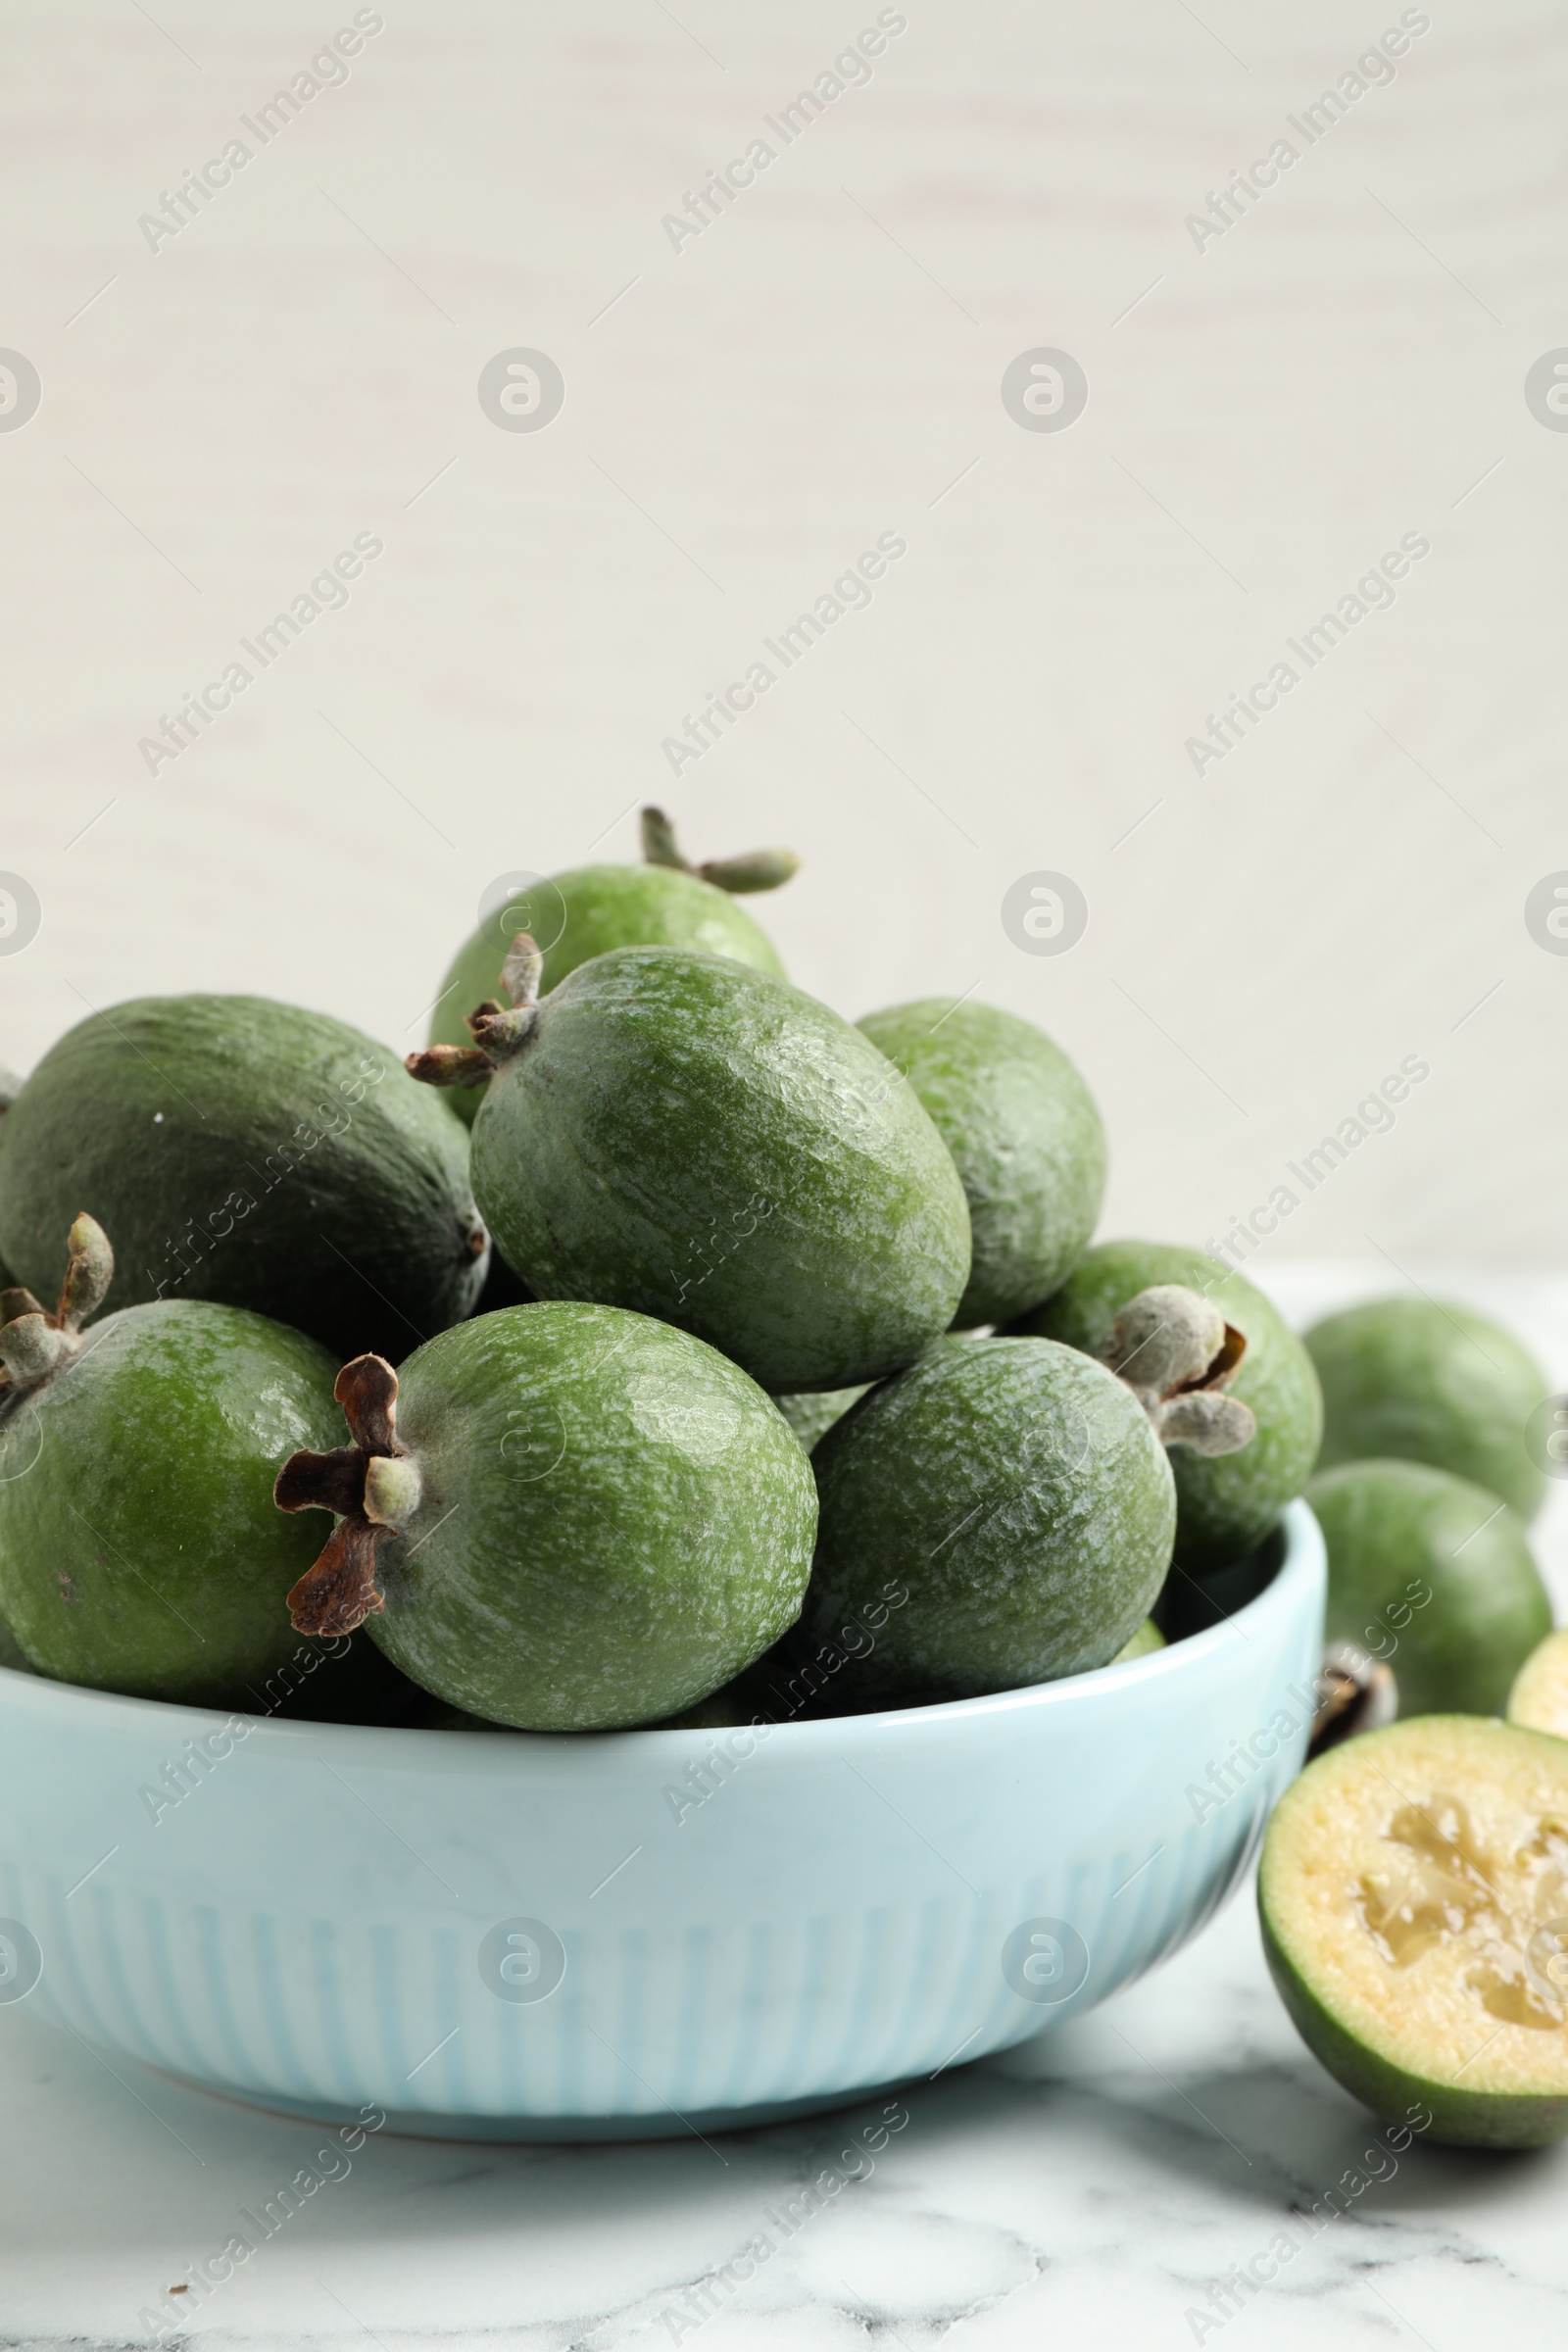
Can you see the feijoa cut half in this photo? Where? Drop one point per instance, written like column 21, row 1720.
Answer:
column 1539, row 1699
column 1425, row 1380
column 682, row 1135
column 1414, row 1902
column 664, row 903
column 251, row 1153
column 560, row 1516
column 1026, row 1137
column 139, row 1549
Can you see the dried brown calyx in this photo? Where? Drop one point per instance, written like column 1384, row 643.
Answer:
column 372, row 1484
column 497, row 1029
column 1178, row 1355
column 33, row 1343
column 759, row 870
column 1354, row 1694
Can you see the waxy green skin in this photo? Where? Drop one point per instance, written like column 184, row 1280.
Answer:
column 250, row 1152
column 1421, row 1381
column 687, row 1138
column 1025, row 1133
column 1459, row 2118
column 1397, row 1530
column 584, row 913
column 614, row 1520
column 813, row 1412
column 1230, row 1502
column 140, row 1547
column 1020, row 1493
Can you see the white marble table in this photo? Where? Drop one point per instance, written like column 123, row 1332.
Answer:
column 1097, row 2186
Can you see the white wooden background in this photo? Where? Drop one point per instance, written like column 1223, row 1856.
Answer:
column 1266, row 417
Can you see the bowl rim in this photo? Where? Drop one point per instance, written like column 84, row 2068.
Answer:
column 392, row 1744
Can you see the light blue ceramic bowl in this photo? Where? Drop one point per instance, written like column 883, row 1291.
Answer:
column 531, row 1937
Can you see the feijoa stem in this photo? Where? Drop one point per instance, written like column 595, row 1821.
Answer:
column 33, row 1345
column 373, row 1486
column 497, row 1029
column 1178, row 1355
column 756, row 870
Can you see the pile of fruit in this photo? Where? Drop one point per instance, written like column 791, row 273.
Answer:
column 654, row 1347
column 746, row 1362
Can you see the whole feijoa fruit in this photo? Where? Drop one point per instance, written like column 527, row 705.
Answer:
column 685, row 1137
column 1424, row 1382
column 664, row 903
column 560, row 1516
column 139, row 1549
column 1434, row 1577
column 1539, row 1699
column 1412, row 1901
column 1024, row 1132
column 251, row 1153
column 1228, row 1506
column 1017, row 1491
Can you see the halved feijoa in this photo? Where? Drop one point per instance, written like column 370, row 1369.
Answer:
column 1414, row 1901
column 1433, row 1575
column 664, row 902
column 1539, row 1699
column 1025, row 1133
column 1426, row 1381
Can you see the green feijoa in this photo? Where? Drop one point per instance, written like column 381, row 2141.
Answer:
column 139, row 1549
column 1433, row 1575
column 1410, row 1894
column 1425, row 1382
column 560, row 1516
column 12, row 1653
column 1024, row 1132
column 1143, row 1642
column 1016, row 1490
column 813, row 1412
column 1539, row 1699
column 685, row 1137
column 1227, row 1505
column 248, row 1152
column 664, row 903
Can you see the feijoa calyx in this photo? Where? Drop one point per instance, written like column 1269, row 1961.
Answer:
column 1433, row 1577
column 251, row 1153
column 1413, row 1894
column 1425, row 1381
column 664, row 903
column 1229, row 1503
column 1026, row 1137
column 682, row 1135
column 560, row 1516
column 1019, row 1495
column 140, row 1551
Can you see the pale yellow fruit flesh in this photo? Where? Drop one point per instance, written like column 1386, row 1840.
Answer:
column 1419, row 1880
column 1539, row 1699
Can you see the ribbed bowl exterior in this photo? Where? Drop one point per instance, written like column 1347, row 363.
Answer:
column 320, row 1924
